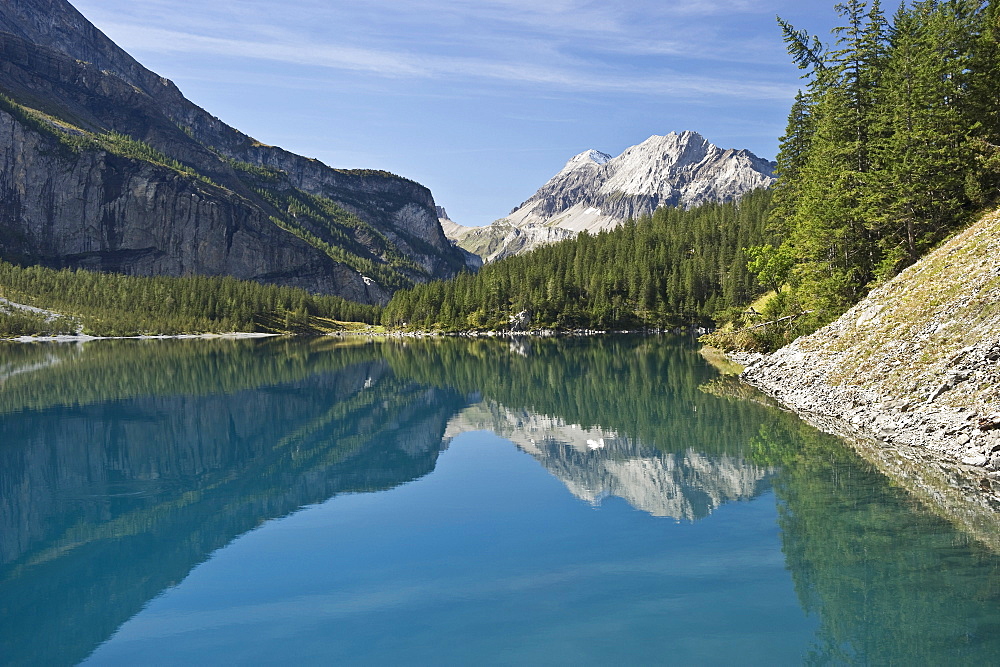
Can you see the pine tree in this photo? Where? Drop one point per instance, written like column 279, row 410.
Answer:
column 924, row 152
column 984, row 108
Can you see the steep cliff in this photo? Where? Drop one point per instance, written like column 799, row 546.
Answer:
column 595, row 191
column 108, row 166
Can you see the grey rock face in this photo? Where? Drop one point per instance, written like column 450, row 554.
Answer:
column 673, row 170
column 108, row 213
column 52, row 59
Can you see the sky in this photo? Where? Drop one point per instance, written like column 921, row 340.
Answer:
column 482, row 101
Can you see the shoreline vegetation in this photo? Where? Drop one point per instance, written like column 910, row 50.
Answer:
column 40, row 301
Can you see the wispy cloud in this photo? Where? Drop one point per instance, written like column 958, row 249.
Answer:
column 429, row 88
column 571, row 45
column 565, row 73
column 713, row 7
column 322, row 55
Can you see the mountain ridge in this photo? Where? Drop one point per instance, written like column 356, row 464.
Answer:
column 62, row 71
column 595, row 191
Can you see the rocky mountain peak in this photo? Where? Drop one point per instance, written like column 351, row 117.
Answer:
column 595, row 191
column 588, row 159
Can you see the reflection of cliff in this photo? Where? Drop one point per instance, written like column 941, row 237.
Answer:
column 104, row 505
column 52, row 374
column 594, row 464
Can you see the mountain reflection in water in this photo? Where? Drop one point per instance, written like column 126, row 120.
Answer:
column 595, row 464
column 125, row 464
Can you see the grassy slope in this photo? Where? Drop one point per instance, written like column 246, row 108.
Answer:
column 908, row 335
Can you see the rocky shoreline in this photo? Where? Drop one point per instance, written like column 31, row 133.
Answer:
column 911, row 376
column 938, row 454
column 961, row 435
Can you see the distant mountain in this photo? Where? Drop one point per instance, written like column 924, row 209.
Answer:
column 473, row 260
column 595, row 191
column 501, row 239
column 107, row 166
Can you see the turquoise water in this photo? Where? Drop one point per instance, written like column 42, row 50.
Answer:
column 453, row 502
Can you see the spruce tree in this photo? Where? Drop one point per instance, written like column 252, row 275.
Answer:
column 924, row 153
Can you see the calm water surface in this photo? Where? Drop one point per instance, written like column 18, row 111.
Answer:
column 453, row 502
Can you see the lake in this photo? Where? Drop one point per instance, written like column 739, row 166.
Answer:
column 420, row 501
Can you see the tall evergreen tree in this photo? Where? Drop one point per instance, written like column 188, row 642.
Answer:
column 924, row 153
column 984, row 103
column 879, row 161
column 827, row 226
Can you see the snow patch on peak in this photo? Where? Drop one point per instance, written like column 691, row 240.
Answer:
column 588, row 158
column 594, row 156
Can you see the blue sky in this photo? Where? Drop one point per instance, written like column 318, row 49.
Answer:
column 480, row 100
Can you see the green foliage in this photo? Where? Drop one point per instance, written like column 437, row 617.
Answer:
column 675, row 268
column 892, row 148
column 770, row 265
column 126, row 146
column 316, row 219
column 117, row 305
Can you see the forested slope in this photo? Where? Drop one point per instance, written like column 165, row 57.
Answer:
column 675, row 267
column 891, row 148
column 100, row 304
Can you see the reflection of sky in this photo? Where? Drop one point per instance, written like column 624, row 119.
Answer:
column 487, row 559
